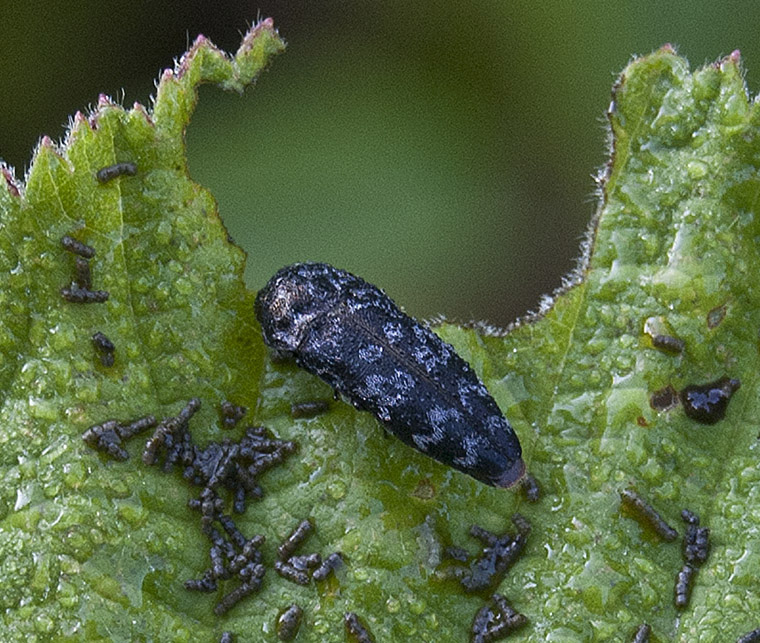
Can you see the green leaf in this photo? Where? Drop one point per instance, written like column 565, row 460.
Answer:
column 93, row 548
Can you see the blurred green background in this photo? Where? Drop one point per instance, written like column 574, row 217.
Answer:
column 441, row 150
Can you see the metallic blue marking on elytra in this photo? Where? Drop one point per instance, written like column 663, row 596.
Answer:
column 352, row 335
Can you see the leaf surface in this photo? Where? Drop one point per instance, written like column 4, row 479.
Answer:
column 94, row 549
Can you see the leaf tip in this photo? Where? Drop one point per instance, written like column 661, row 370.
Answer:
column 78, row 124
column 266, row 28
column 138, row 109
column 200, row 40
column 733, row 59
column 10, row 182
column 104, row 100
column 200, row 44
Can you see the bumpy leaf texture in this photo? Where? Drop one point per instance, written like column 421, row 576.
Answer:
column 97, row 549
